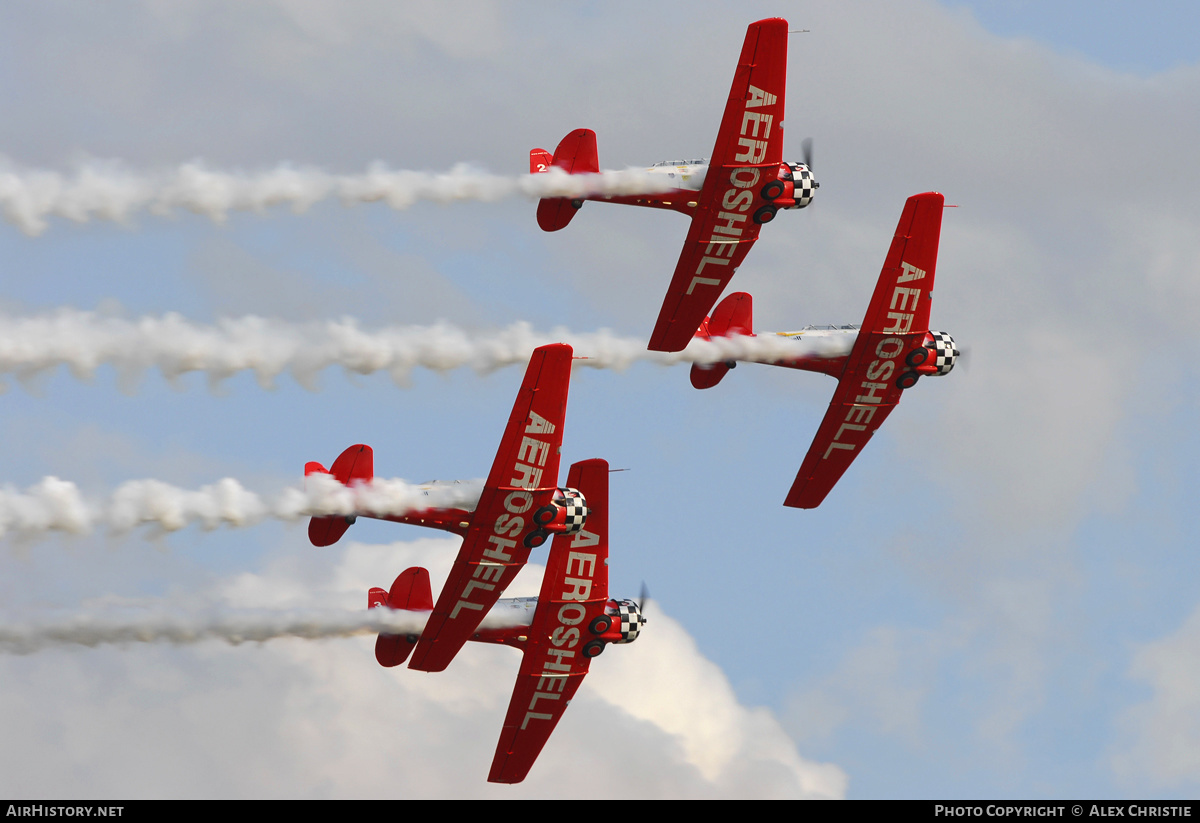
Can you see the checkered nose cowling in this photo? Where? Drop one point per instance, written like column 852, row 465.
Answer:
column 572, row 510
column 945, row 351
column 631, row 620
column 804, row 185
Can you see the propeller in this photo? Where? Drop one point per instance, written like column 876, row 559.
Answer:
column 642, row 598
column 806, row 149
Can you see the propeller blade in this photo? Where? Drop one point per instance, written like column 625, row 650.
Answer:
column 806, row 148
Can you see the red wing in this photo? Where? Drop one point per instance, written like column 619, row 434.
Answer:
column 748, row 151
column 574, row 592
column 523, row 478
column 854, row 414
column 896, row 322
column 752, row 126
column 902, row 297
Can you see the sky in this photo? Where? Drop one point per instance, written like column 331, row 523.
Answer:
column 997, row 600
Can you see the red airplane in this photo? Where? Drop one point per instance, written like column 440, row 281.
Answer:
column 728, row 197
column 877, row 361
column 572, row 621
column 519, row 508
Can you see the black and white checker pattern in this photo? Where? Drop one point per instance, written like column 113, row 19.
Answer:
column 945, row 351
column 804, row 185
column 631, row 620
column 576, row 509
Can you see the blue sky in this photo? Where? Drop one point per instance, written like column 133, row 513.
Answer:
column 995, row 601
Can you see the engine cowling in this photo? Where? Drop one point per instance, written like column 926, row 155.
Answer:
column 631, row 620
column 621, row 622
column 943, row 353
column 934, row 357
column 566, row 513
column 792, row 188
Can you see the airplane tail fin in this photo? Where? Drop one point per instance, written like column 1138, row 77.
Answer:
column 576, row 154
column 355, row 464
column 733, row 315
column 410, row 592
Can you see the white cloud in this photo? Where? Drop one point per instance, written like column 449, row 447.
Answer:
column 322, row 719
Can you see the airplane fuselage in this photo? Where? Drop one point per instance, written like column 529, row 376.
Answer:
column 689, row 176
column 508, row 622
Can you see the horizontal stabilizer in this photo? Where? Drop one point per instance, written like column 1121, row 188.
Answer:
column 411, row 592
column 707, row 375
column 576, row 154
column 733, row 315
column 355, row 465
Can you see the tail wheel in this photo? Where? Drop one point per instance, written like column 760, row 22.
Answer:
column 765, row 215
column 917, row 356
column 535, row 539
column 577, row 203
column 544, row 515
column 772, row 190
column 593, row 648
column 907, row 380
column 600, row 625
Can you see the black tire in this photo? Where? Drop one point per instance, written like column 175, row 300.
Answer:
column 600, row 624
column 765, row 215
column 907, row 380
column 577, row 204
column 772, row 190
column 593, row 649
column 544, row 515
column 917, row 356
column 535, row 539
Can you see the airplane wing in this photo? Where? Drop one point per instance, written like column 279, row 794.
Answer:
column 523, row 478
column 896, row 322
column 574, row 593
column 748, row 152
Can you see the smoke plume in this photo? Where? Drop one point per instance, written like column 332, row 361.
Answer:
column 82, row 341
column 172, row 625
column 106, row 190
column 55, row 505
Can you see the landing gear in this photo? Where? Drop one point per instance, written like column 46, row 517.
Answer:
column 764, row 215
column 917, row 356
column 772, row 190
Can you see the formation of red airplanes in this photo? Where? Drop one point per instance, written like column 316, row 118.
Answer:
column 520, row 507
column 728, row 197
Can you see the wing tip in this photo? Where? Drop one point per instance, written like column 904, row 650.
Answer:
column 800, row 500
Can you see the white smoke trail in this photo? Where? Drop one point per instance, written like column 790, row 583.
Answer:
column 55, row 505
column 82, row 341
column 106, row 190
column 170, row 625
